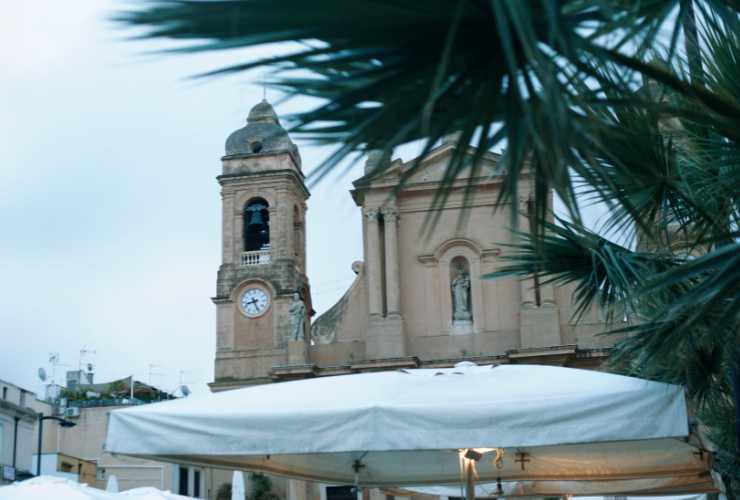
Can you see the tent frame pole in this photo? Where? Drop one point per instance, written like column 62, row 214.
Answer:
column 469, row 480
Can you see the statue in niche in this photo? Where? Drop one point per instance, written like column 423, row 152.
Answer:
column 297, row 314
column 461, row 295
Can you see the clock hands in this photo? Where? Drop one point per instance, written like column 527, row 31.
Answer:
column 254, row 302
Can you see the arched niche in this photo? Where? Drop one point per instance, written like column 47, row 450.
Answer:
column 460, row 289
column 442, row 262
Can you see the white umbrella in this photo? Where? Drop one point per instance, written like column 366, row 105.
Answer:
column 238, row 491
column 408, row 427
column 112, row 485
column 46, row 487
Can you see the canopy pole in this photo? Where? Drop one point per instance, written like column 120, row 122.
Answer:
column 469, row 480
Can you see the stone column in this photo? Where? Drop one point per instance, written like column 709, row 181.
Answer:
column 392, row 278
column 375, row 300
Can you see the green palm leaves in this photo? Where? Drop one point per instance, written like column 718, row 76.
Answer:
column 592, row 97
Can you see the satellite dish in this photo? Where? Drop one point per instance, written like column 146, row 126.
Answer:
column 185, row 390
column 42, row 374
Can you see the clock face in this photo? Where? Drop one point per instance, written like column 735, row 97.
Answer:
column 254, row 302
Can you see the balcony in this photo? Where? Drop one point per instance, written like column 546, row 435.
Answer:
column 255, row 258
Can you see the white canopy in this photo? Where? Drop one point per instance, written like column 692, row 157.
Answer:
column 57, row 488
column 406, row 427
column 645, row 487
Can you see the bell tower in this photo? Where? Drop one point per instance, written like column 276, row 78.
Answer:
column 263, row 261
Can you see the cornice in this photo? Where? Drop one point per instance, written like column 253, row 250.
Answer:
column 228, row 179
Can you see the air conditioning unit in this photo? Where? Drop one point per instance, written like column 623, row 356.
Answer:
column 72, row 412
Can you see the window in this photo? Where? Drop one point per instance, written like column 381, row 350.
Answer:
column 196, row 483
column 341, row 493
column 189, row 481
column 23, row 398
column 256, row 225
column 5, row 393
column 182, row 488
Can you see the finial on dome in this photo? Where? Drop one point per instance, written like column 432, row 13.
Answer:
column 263, row 112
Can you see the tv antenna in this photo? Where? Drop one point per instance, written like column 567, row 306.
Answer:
column 42, row 374
column 85, row 354
column 54, row 362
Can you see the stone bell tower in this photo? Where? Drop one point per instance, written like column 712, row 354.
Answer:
column 263, row 251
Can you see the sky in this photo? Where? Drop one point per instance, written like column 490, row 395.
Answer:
column 109, row 206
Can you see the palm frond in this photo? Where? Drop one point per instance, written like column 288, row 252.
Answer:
column 423, row 67
column 607, row 274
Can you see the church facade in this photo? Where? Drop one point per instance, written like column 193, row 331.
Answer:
column 419, row 298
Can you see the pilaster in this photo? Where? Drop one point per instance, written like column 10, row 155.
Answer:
column 227, row 229
column 392, row 278
column 385, row 335
column 372, row 233
column 539, row 324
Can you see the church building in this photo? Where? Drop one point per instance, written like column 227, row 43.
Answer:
column 418, row 299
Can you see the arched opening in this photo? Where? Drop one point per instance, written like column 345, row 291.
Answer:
column 462, row 304
column 256, row 225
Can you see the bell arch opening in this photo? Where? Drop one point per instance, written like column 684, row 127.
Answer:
column 256, row 225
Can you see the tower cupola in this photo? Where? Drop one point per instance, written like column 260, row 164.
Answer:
column 262, row 135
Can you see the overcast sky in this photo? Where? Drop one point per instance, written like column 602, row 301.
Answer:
column 109, row 207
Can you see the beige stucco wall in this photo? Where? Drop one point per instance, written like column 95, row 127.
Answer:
column 86, row 441
column 26, row 441
column 21, row 403
column 426, row 299
column 400, row 306
column 470, row 225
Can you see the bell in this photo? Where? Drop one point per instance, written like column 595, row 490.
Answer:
column 256, row 218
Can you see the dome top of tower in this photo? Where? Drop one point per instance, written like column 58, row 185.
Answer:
column 263, row 112
column 262, row 135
